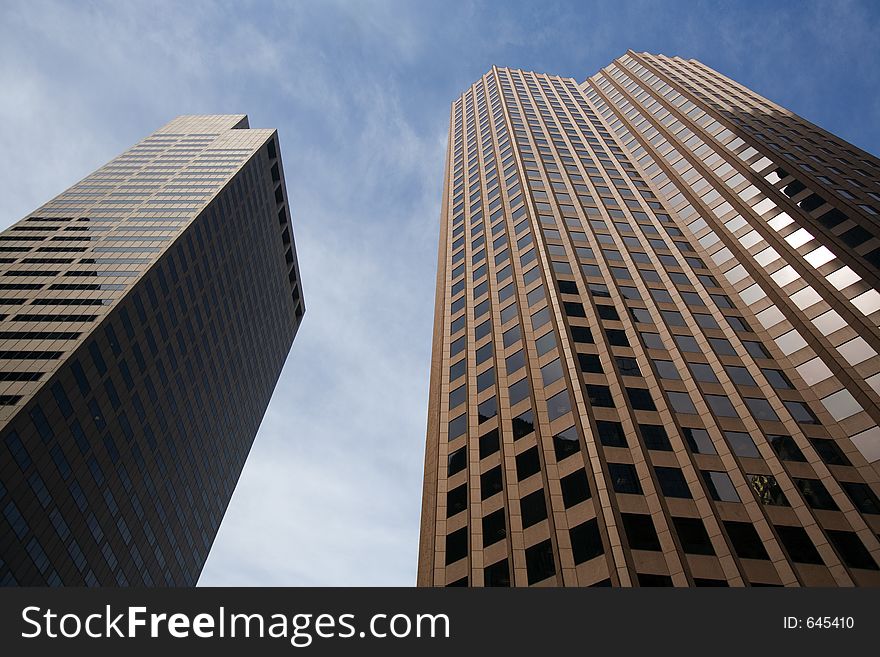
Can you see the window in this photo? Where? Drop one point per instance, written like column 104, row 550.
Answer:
column 457, row 396
column 484, row 353
column 519, row 391
column 777, row 379
column 566, row 443
column 699, row 441
column 599, row 396
column 527, row 463
column 746, row 542
column 652, row 341
column 798, row 545
column 586, row 541
column 540, row 318
column 512, row 335
column 672, row 482
column 628, row 366
column 456, row 461
column 703, row 372
column 590, row 363
column 610, row 433
column 558, row 405
column 722, row 347
column 655, row 437
column 755, row 349
column 456, row 500
column 533, row 508
column 487, row 410
column 456, row 545
column 640, row 399
column 617, row 337
column 490, row 483
column 498, row 574
column 862, row 497
column 624, row 478
column 687, row 344
column 786, row 448
column 816, row 495
column 721, row 488
column 551, row 372
column 721, row 406
column 739, row 375
column 574, row 309
column 489, row 443
column 640, row 532
column 767, row 489
column 457, row 369
column 666, row 370
column 801, row 412
column 742, row 444
column 539, row 562
column 494, row 528
column 693, row 536
column 605, row 312
column 851, row 550
column 761, row 409
column 523, row 424
column 829, row 452
column 515, row 362
column 681, row 402
column 582, row 334
column 545, row 343
column 457, row 426
column 575, row 488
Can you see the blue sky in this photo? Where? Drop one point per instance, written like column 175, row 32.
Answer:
column 359, row 92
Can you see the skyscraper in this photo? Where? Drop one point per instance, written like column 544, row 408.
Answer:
column 656, row 333
column 146, row 315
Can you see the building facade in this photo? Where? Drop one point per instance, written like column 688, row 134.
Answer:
column 146, row 315
column 655, row 356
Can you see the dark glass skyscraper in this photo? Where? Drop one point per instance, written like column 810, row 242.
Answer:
column 655, row 357
column 146, row 315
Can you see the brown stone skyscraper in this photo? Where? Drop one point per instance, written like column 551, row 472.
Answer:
column 655, row 357
column 146, row 314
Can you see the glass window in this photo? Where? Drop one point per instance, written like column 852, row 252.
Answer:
column 456, row 461
column 851, row 549
column 566, row 443
column 640, row 399
column 741, row 444
column 703, row 372
column 494, row 528
column 586, row 541
column 862, row 497
column 486, row 379
column 456, row 545
column 523, row 424
column 761, row 409
column 687, row 344
column 666, row 370
column 515, row 361
column 699, row 441
column 693, row 536
column 721, row 406
column 487, row 410
column 681, row 402
column 551, row 372
column 640, row 532
column 798, row 545
column 624, row 478
column 545, row 343
column 829, row 452
column 786, row 448
column 575, row 488
column 617, row 337
column 801, row 412
column 739, row 375
column 816, row 495
column 745, row 539
column 527, row 463
column 519, row 391
column 777, row 379
column 599, row 396
column 489, row 443
column 456, row 500
column 539, row 562
column 655, row 437
column 490, row 482
column 610, row 433
column 590, row 363
column 767, row 489
column 722, row 347
column 457, row 426
column 652, row 341
column 533, row 508
column 672, row 482
column 721, row 488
